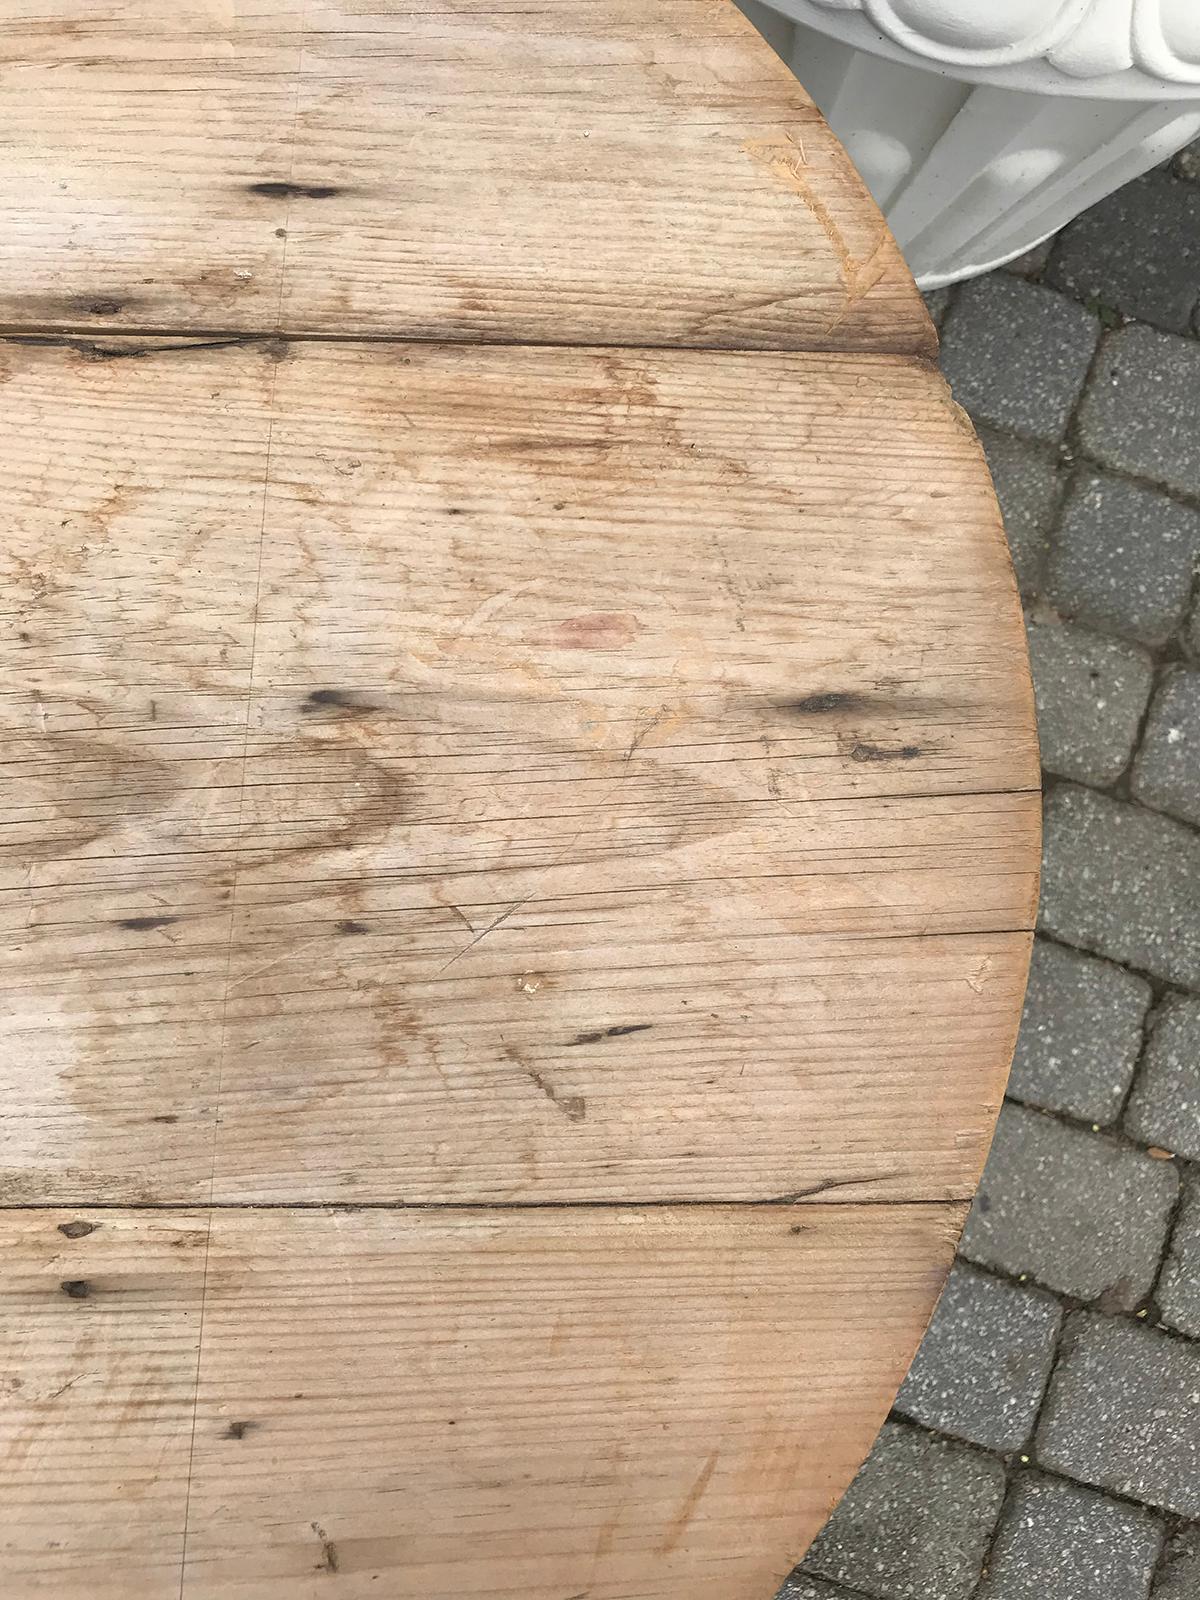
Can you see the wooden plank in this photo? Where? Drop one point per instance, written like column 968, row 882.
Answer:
column 445, row 774
column 99, row 1342
column 642, row 171
column 481, row 774
column 394, row 1399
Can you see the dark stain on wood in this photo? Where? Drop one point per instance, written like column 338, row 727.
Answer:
column 274, row 189
column 594, row 630
column 616, row 1032
column 96, row 305
column 238, row 1430
column 351, row 925
column 346, row 700
column 77, row 1230
column 167, row 1116
column 142, row 924
column 71, row 776
column 826, row 702
column 329, row 1555
column 860, row 750
column 76, row 1288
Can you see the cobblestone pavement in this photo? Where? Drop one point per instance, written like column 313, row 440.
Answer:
column 1046, row 1444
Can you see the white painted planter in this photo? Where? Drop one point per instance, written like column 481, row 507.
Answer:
column 982, row 126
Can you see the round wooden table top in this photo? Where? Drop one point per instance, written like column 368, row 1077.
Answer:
column 521, row 804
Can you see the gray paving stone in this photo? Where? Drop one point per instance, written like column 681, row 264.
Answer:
column 1122, row 882
column 1123, row 1413
column 915, row 1523
column 983, row 1364
column 1059, row 1540
column 1179, row 1286
column 1124, row 557
column 1179, row 1577
column 1033, row 261
column 1139, row 412
column 1091, row 692
column 1166, row 774
column 1076, row 1211
column 1187, row 163
column 1081, row 1034
column 1137, row 251
column 1164, row 1108
column 1028, row 485
column 1016, row 354
column 798, row 1587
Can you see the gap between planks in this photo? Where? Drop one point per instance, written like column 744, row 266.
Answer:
column 808, row 1199
column 83, row 339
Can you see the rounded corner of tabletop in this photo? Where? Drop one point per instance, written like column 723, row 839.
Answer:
column 522, row 803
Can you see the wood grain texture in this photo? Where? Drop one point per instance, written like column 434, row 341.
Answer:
column 99, row 1340
column 548, row 801
column 390, row 1403
column 633, row 172
column 471, row 774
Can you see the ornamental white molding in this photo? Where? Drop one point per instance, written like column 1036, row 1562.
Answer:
column 1021, row 113
column 1082, row 39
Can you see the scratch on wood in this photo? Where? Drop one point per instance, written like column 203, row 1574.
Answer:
column 824, row 1185
column 572, row 1106
column 70, row 1384
column 688, row 1509
column 643, row 730
column 480, row 937
column 730, row 585
column 269, row 966
column 125, row 350
column 487, row 609
column 763, row 303
column 783, row 157
column 977, row 979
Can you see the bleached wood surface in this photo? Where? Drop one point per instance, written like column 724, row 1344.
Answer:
column 517, row 862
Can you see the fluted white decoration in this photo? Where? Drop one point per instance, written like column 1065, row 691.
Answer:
column 1080, row 38
column 982, row 126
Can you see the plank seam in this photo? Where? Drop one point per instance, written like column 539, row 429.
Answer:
column 770, row 1202
column 82, row 339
